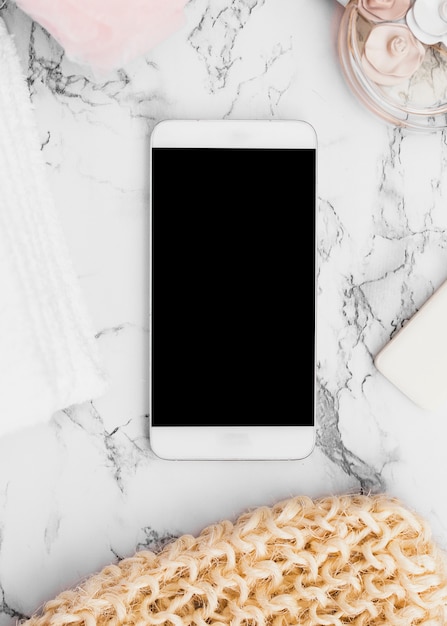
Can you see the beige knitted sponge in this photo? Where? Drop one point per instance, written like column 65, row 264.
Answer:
column 363, row 560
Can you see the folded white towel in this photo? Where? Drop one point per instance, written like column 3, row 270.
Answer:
column 48, row 356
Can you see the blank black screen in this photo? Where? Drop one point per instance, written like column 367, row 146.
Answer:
column 233, row 287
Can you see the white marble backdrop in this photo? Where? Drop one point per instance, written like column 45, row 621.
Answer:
column 84, row 489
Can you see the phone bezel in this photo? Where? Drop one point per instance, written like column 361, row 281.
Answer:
column 215, row 442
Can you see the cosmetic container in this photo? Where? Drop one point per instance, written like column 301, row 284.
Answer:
column 417, row 101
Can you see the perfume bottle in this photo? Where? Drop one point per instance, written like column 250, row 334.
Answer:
column 393, row 54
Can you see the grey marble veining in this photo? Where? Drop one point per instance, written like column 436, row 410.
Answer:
column 84, row 488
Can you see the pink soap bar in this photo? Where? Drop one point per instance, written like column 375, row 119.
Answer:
column 106, row 34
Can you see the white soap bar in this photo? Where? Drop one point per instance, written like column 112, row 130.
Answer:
column 415, row 360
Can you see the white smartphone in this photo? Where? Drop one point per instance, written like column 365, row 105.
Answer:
column 233, row 289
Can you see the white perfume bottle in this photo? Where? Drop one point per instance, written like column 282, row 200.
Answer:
column 393, row 54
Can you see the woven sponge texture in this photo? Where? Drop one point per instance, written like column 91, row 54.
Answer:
column 363, row 560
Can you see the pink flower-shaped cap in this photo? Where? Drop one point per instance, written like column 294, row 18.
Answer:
column 427, row 20
column 383, row 10
column 391, row 54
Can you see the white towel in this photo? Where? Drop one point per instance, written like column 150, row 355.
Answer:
column 48, row 356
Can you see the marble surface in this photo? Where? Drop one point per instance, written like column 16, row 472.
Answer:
column 84, row 488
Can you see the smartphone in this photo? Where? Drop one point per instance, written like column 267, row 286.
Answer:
column 232, row 289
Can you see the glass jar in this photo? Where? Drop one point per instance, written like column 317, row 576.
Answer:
column 418, row 102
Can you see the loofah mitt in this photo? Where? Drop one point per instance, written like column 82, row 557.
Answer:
column 363, row 560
